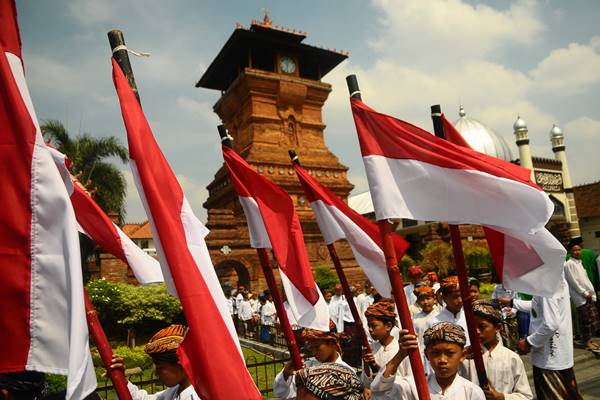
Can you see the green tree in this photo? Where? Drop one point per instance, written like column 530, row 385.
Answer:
column 89, row 157
column 325, row 277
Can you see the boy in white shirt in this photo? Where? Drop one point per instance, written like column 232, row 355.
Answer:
column 444, row 348
column 507, row 378
column 453, row 310
column 162, row 347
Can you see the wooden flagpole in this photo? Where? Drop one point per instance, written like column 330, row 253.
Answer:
column 396, row 279
column 345, row 286
column 267, row 268
column 461, row 271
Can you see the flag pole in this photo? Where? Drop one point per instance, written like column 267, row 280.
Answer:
column 461, row 271
column 106, row 354
column 396, row 279
column 345, row 286
column 267, row 268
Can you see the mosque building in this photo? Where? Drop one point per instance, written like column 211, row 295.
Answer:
column 551, row 174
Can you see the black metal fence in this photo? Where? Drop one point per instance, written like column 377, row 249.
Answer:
column 268, row 334
column 262, row 369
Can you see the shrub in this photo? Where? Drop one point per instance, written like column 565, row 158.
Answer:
column 325, row 278
column 437, row 256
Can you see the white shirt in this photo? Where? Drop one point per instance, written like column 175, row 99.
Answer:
column 409, row 293
column 550, row 329
column 382, row 355
column 405, row 389
column 169, row 394
column 421, row 322
column 447, row 316
column 336, row 312
column 230, row 302
column 506, row 371
column 268, row 313
column 286, row 389
column 501, row 292
column 245, row 310
column 580, row 285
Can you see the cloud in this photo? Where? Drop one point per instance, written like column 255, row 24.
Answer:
column 443, row 31
column 582, row 128
column 200, row 110
column 570, row 70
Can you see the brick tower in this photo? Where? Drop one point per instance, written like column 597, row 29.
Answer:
column 272, row 99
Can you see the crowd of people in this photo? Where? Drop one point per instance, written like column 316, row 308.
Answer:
column 509, row 324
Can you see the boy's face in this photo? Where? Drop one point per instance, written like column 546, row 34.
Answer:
column 445, row 358
column 474, row 292
column 453, row 301
column 170, row 374
column 327, row 297
column 576, row 251
column 378, row 329
column 322, row 350
column 487, row 330
column 426, row 302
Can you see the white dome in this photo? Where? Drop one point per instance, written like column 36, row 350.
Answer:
column 481, row 137
column 555, row 132
column 519, row 125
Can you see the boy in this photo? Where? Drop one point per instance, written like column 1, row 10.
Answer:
column 162, row 347
column 427, row 303
column 474, row 287
column 381, row 319
column 506, row 374
column 444, row 345
column 453, row 310
column 324, row 348
column 414, row 275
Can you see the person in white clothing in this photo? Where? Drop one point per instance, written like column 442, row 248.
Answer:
column 245, row 314
column 381, row 318
column 421, row 321
column 363, row 300
column 507, row 378
column 444, row 348
column 336, row 309
column 453, row 310
column 324, row 348
column 550, row 342
column 583, row 297
column 415, row 274
column 162, row 347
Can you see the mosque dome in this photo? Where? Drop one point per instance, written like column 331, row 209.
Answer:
column 555, row 132
column 481, row 137
column 519, row 125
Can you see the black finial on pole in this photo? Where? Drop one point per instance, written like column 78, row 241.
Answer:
column 225, row 138
column 353, row 88
column 294, row 157
column 119, row 53
column 436, row 116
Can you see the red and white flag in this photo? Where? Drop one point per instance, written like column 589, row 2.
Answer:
column 42, row 318
column 210, row 352
column 273, row 223
column 338, row 221
column 413, row 174
column 527, row 262
column 95, row 224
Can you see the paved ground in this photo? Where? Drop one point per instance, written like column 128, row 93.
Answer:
column 587, row 373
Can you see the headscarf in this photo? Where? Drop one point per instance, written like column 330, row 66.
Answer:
column 449, row 284
column 163, row 345
column 489, row 310
column 313, row 334
column 415, row 271
column 445, row 332
column 424, row 291
column 383, row 310
column 331, row 381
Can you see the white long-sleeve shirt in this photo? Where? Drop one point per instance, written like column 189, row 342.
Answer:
column 245, row 310
column 268, row 313
column 169, row 394
column 550, row 329
column 409, row 290
column 286, row 389
column 382, row 355
column 506, row 372
column 447, row 316
column 405, row 389
column 580, row 285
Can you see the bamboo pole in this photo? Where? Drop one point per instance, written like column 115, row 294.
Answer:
column 267, row 268
column 461, row 271
column 106, row 354
column 393, row 269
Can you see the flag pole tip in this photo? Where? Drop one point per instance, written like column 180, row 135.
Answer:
column 225, row 138
column 294, row 156
column 353, row 88
column 436, row 109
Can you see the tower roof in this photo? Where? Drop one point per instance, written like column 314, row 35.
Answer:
column 555, row 132
column 257, row 45
column 519, row 125
column 481, row 137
